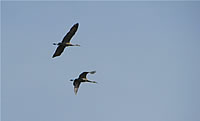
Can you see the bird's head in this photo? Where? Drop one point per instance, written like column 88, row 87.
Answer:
column 71, row 80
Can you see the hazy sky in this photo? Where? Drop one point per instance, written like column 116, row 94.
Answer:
column 146, row 55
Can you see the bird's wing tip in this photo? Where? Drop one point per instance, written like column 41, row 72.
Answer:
column 77, row 24
column 54, row 56
column 92, row 72
column 75, row 90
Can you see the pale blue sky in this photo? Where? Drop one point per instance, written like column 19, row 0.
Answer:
column 146, row 55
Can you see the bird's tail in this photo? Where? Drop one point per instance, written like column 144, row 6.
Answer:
column 92, row 72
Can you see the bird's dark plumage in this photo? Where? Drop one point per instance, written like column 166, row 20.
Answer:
column 76, row 85
column 70, row 34
column 84, row 74
column 66, row 41
column 59, row 50
column 82, row 78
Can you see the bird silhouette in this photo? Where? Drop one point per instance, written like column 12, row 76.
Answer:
column 82, row 78
column 66, row 41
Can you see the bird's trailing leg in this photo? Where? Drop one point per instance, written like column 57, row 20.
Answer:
column 75, row 45
column 91, row 81
column 86, row 80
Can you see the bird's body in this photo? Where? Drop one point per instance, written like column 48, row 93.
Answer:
column 80, row 79
column 66, row 41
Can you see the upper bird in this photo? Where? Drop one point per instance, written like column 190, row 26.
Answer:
column 82, row 78
column 66, row 41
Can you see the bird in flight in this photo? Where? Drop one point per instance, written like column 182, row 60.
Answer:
column 82, row 78
column 66, row 41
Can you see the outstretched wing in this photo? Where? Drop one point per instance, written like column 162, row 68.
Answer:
column 84, row 74
column 58, row 51
column 70, row 34
column 76, row 86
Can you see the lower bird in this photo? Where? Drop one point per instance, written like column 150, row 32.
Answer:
column 82, row 78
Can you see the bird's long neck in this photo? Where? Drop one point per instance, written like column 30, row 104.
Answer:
column 57, row 43
column 66, row 44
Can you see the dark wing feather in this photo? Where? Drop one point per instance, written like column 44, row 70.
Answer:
column 76, row 86
column 58, row 51
column 83, row 75
column 70, row 34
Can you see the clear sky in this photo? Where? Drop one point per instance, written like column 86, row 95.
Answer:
column 146, row 55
